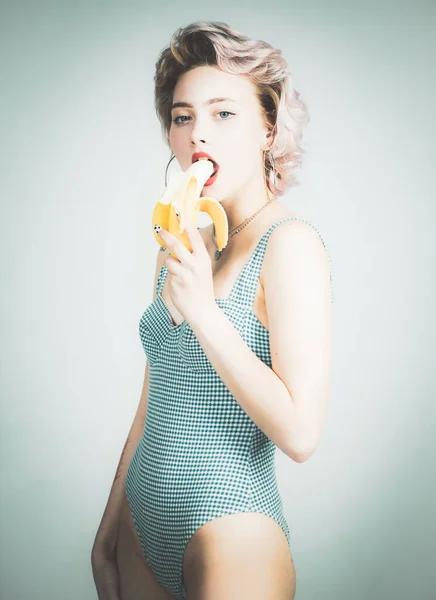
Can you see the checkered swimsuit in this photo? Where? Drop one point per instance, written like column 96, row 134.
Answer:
column 200, row 456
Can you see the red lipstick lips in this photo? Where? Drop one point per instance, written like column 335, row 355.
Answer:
column 198, row 155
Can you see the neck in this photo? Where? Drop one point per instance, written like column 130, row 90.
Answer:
column 248, row 200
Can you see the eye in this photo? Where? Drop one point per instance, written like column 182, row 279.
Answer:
column 180, row 117
column 175, row 120
column 227, row 112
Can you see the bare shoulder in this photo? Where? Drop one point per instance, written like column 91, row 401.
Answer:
column 303, row 247
column 304, row 231
column 305, row 238
column 280, row 212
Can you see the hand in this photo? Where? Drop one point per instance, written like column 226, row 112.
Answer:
column 190, row 281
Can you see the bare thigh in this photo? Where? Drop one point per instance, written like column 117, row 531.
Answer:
column 137, row 580
column 244, row 555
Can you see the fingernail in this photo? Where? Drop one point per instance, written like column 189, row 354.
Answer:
column 157, row 227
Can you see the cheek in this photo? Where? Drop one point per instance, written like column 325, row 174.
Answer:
column 176, row 137
column 241, row 147
column 172, row 136
column 241, row 161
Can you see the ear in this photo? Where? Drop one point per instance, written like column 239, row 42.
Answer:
column 266, row 142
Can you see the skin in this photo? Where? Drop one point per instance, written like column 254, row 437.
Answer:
column 224, row 558
column 241, row 555
column 235, row 141
column 235, row 135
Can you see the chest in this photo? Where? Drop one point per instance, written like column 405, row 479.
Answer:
column 225, row 272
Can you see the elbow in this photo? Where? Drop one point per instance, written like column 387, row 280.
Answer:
column 304, row 435
column 301, row 452
column 301, row 455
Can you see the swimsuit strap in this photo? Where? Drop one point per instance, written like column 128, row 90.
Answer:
column 244, row 290
column 161, row 280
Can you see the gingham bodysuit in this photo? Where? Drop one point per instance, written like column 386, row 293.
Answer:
column 200, row 456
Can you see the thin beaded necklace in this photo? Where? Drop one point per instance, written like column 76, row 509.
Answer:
column 235, row 230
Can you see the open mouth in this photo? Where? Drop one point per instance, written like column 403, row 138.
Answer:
column 216, row 167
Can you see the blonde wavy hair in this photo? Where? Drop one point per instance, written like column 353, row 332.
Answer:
column 214, row 43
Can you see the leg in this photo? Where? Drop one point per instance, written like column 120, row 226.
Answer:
column 243, row 555
column 137, row 580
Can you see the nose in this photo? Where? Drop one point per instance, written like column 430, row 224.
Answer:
column 196, row 139
column 197, row 133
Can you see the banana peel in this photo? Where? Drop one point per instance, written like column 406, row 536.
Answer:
column 181, row 203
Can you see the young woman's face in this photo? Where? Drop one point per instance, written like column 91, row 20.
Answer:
column 232, row 131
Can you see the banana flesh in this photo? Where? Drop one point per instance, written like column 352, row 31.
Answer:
column 181, row 203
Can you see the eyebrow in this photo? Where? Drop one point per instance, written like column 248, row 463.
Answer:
column 207, row 103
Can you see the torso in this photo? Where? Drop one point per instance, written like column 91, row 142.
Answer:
column 226, row 269
column 275, row 557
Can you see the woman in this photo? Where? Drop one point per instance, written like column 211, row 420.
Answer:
column 237, row 344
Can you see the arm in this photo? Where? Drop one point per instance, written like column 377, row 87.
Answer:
column 288, row 401
column 106, row 537
column 103, row 555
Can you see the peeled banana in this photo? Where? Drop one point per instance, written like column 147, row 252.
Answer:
column 181, row 203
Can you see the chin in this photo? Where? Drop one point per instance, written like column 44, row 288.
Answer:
column 219, row 190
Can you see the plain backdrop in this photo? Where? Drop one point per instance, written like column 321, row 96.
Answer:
column 83, row 164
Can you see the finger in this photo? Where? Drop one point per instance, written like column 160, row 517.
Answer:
column 174, row 245
column 173, row 265
column 168, row 238
column 195, row 237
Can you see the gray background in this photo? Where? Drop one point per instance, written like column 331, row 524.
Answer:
column 83, row 165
